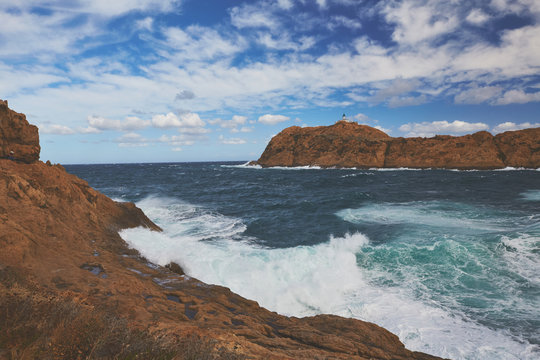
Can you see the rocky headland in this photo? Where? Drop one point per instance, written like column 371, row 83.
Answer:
column 70, row 288
column 348, row 144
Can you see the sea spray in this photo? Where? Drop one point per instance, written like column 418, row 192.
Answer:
column 308, row 280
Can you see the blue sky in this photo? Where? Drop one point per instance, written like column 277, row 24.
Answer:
column 195, row 80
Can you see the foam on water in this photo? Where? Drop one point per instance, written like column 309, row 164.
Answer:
column 510, row 168
column 434, row 214
column 397, row 169
column 246, row 165
column 307, row 167
column 308, row 280
column 531, row 195
column 522, row 255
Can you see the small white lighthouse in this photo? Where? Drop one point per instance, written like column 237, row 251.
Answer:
column 344, row 118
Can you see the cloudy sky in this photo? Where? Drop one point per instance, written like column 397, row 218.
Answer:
column 201, row 80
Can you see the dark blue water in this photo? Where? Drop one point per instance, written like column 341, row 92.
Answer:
column 448, row 260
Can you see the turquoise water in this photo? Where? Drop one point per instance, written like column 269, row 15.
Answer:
column 447, row 260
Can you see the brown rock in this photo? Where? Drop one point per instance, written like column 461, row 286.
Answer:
column 18, row 139
column 61, row 236
column 347, row 144
column 342, row 145
column 520, row 148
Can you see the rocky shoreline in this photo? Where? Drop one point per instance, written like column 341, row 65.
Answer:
column 348, row 144
column 72, row 289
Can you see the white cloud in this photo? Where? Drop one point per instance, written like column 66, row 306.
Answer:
column 165, row 121
column 517, row 6
column 191, row 120
column 518, row 97
column 187, row 121
column 130, row 123
column 131, row 140
column 89, row 130
column 231, row 141
column 361, row 118
column 24, row 31
column 232, row 124
column 343, row 21
column 145, row 24
column 193, row 131
column 185, row 95
column 477, row 17
column 417, row 21
column 384, row 130
column 429, row 129
column 285, row 4
column 518, row 54
column 396, row 87
column 200, row 43
column 478, row 95
column 176, row 140
column 200, row 59
column 269, row 119
column 399, row 101
column 18, row 79
column 252, row 16
column 243, row 129
column 56, row 129
column 322, row 3
column 511, row 126
column 283, row 42
column 113, row 8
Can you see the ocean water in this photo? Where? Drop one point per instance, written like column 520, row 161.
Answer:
column 447, row 260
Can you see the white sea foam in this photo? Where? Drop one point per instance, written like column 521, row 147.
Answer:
column 521, row 254
column 531, row 195
column 246, row 165
column 307, row 167
column 307, row 280
column 357, row 174
column 510, row 168
column 433, row 214
column 398, row 169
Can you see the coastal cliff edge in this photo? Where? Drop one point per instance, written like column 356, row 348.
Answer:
column 70, row 288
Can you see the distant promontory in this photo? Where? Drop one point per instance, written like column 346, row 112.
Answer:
column 347, row 144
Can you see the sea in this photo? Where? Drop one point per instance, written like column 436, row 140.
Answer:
column 447, row 260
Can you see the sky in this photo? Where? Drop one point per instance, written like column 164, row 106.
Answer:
column 122, row 81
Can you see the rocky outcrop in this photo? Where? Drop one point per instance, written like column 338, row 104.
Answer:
column 61, row 236
column 520, row 148
column 18, row 139
column 347, row 144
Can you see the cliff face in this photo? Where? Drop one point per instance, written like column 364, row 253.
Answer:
column 346, row 144
column 59, row 242
column 18, row 139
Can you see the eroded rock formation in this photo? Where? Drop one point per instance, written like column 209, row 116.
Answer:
column 18, row 139
column 61, row 236
column 347, row 144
